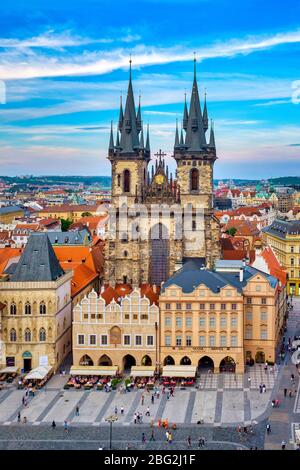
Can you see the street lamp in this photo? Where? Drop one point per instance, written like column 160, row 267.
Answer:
column 111, row 419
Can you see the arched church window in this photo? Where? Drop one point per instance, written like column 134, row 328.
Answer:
column 13, row 335
column 27, row 308
column 13, row 309
column 42, row 308
column 42, row 335
column 126, row 181
column 194, row 179
column 27, row 335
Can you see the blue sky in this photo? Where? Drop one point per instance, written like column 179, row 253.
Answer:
column 64, row 65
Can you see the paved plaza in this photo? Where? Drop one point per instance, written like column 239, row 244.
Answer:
column 220, row 399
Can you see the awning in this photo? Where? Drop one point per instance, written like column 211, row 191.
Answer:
column 179, row 371
column 94, row 370
column 142, row 371
column 9, row 370
column 39, row 373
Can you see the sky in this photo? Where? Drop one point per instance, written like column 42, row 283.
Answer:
column 64, row 65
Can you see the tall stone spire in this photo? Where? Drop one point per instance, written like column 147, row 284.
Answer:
column 138, row 117
column 181, row 143
column 129, row 132
column 147, row 139
column 121, row 116
column 205, row 115
column 117, row 140
column 111, row 139
column 185, row 114
column 142, row 138
column 195, row 135
column 176, row 135
column 212, row 142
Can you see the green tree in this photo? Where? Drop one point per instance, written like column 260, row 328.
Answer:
column 231, row 231
column 65, row 224
column 86, row 214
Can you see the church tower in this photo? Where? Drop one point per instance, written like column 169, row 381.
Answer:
column 195, row 159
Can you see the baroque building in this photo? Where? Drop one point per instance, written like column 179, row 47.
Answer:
column 144, row 244
column 35, row 298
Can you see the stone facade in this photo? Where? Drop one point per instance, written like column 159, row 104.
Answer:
column 121, row 333
column 36, row 321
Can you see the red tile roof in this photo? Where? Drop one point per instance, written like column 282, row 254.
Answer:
column 274, row 266
column 121, row 290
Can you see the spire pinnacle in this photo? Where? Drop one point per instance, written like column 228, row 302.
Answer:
column 130, row 62
column 212, row 142
column 139, row 117
column 121, row 116
column 195, row 60
column 176, row 135
column 111, row 139
column 185, row 114
column 205, row 115
column 147, row 139
column 142, row 138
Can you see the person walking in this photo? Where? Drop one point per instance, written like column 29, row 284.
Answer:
column 290, row 393
column 283, row 444
column 268, row 427
column 143, row 438
column 143, row 398
column 135, row 418
column 148, row 411
column 152, row 399
column 122, row 410
column 66, row 427
column 168, row 395
column 53, row 424
column 116, row 410
column 249, row 381
column 19, row 417
column 77, row 410
column 264, row 388
column 189, row 441
column 152, row 438
column 170, row 439
column 167, row 435
column 260, row 388
column 285, row 392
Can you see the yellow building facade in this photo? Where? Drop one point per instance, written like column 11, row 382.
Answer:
column 284, row 238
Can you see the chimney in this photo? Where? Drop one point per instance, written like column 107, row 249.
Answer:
column 102, row 289
column 154, row 288
column 241, row 274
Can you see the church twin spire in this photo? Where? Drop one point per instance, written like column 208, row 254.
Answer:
column 195, row 123
column 130, row 126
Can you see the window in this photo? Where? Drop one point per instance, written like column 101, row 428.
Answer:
column 13, row 335
column 150, row 340
column 212, row 306
column 212, row 341
column 27, row 308
column 264, row 316
column 138, row 340
column 233, row 340
column 178, row 306
column 189, row 306
column 93, row 341
column 167, row 340
column 27, row 335
column 168, row 306
column 234, row 321
column 233, row 306
column 80, row 339
column 179, row 321
column 202, row 340
column 223, row 340
column 103, row 340
column 188, row 341
column 202, row 321
column 223, row 306
column 168, row 321
column 292, row 249
column 264, row 301
column 249, row 300
column 126, row 181
column 248, row 332
column 212, row 322
column 42, row 334
column 202, row 306
column 194, row 179
column 249, row 316
column 194, row 226
column 292, row 262
column 223, row 322
column 42, row 308
column 13, row 309
column 144, row 317
column 178, row 341
column 264, row 334
column 188, row 322
column 127, row 340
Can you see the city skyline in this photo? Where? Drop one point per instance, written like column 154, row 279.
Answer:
column 64, row 71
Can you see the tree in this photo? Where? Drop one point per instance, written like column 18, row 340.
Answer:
column 231, row 231
column 86, row 214
column 65, row 224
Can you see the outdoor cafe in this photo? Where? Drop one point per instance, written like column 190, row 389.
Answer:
column 89, row 377
column 183, row 375
column 37, row 377
column 8, row 374
column 143, row 376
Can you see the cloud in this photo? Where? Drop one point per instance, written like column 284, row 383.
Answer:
column 293, row 145
column 274, row 103
column 56, row 40
column 26, row 63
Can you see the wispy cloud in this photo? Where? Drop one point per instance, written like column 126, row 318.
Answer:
column 274, row 103
column 24, row 63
